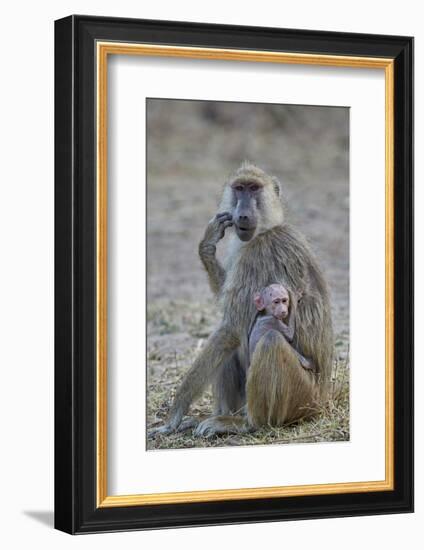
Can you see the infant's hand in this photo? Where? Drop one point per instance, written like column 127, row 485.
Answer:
column 306, row 363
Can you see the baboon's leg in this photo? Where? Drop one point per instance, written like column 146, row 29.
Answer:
column 230, row 397
column 230, row 387
column 278, row 389
column 218, row 349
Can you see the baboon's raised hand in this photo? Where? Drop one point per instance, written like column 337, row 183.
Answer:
column 215, row 229
column 214, row 232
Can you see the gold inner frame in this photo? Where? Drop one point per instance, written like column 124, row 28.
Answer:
column 103, row 50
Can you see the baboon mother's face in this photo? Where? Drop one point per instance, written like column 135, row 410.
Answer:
column 246, row 199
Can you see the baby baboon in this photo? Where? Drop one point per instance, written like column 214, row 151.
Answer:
column 264, row 249
column 276, row 306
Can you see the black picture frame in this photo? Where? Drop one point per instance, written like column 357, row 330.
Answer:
column 76, row 509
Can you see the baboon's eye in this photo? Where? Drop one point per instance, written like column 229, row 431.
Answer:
column 238, row 188
column 254, row 187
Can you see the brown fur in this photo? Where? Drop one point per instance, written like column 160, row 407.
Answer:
column 278, row 389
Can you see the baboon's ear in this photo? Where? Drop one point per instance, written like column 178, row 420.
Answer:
column 259, row 301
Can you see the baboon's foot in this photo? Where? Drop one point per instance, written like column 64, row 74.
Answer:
column 218, row 425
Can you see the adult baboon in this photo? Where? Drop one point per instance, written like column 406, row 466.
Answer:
column 264, row 249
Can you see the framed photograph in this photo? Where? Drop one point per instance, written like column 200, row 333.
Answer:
column 234, row 274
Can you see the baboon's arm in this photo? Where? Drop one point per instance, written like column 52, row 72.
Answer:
column 287, row 330
column 218, row 348
column 215, row 231
column 215, row 271
column 306, row 364
column 291, row 326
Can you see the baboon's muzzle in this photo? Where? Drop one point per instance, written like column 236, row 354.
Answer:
column 245, row 219
column 244, row 233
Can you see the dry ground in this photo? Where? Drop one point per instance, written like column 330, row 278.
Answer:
column 192, row 147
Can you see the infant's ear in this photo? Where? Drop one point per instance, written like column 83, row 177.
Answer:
column 259, row 301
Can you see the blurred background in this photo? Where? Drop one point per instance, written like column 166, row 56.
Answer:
column 192, row 148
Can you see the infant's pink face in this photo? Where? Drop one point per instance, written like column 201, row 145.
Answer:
column 274, row 299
